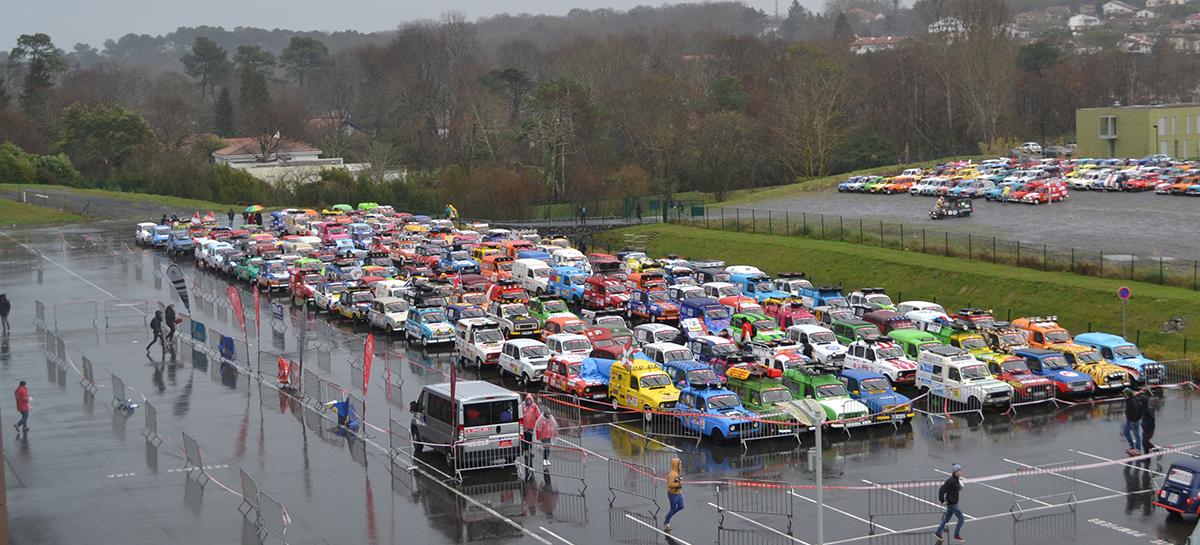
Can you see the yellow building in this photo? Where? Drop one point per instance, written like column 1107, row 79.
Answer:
column 1138, row 131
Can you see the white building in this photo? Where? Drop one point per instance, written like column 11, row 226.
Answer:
column 279, row 161
column 1116, row 7
column 862, row 46
column 1078, row 23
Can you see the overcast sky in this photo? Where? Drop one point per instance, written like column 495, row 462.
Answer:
column 73, row 21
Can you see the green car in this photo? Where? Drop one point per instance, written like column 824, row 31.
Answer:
column 849, row 331
column 870, row 186
column 762, row 328
column 913, row 341
column 820, row 382
column 544, row 308
column 248, row 268
column 763, row 396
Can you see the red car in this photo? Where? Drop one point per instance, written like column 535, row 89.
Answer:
column 563, row 375
column 302, row 284
column 1026, row 385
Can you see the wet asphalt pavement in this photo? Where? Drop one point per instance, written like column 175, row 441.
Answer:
column 85, row 474
column 1142, row 224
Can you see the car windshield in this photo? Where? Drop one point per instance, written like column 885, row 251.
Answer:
column 335, row 288
column 665, row 335
column 765, row 325
column 181, row 236
column 490, row 413
column 1011, row 338
column 471, row 312
column 701, row 375
column 576, row 344
column 985, row 321
column 880, row 299
column 878, row 384
column 776, row 395
column 602, row 343
column 336, row 231
column 162, row 230
column 723, row 401
column 489, row 336
column 610, row 320
column 516, row 310
column 837, row 302
column 1088, row 356
column 727, row 291
column 536, row 351
column 574, row 327
column 655, row 380
column 578, row 279
column 760, row 287
column 1014, row 366
column 716, row 314
column 893, row 353
column 382, row 261
column 395, row 307
column 574, row 368
column 866, row 331
column 1127, row 351
column 504, row 266
column 615, row 288
column 621, row 340
column 554, row 306
column 460, row 256
column 311, row 279
column 541, row 273
column 726, row 348
column 657, row 296
column 679, row 355
column 435, row 316
column 973, row 343
column 971, row 372
column 823, row 337
column 474, row 298
column 831, row 390
column 278, row 268
column 1057, row 336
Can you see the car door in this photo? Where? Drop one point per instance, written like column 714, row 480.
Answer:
column 375, row 315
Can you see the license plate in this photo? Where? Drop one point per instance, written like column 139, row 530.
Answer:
column 507, row 443
column 1173, row 498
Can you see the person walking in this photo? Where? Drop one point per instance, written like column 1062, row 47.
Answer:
column 948, row 495
column 5, row 308
column 583, row 215
column 1148, row 422
column 638, row 210
column 674, row 493
column 23, row 400
column 156, row 330
column 1133, row 420
column 1004, row 194
column 169, row 317
column 529, row 418
column 231, row 218
column 547, row 430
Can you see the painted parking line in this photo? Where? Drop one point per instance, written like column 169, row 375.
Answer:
column 756, row 523
column 912, row 497
column 1126, row 464
column 657, row 530
column 1076, row 479
column 998, row 489
column 835, row 509
column 556, row 536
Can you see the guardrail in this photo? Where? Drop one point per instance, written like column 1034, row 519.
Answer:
column 903, row 498
column 75, row 312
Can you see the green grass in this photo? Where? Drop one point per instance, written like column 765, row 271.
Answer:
column 173, row 202
column 15, row 213
column 1079, row 301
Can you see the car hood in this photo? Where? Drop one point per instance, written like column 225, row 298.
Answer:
column 844, row 405
column 1065, row 375
column 438, row 327
column 829, row 349
column 1026, row 379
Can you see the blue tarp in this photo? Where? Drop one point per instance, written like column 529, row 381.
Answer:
column 595, row 369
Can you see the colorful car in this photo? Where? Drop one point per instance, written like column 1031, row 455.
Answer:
column 1055, row 367
column 642, row 386
column 1181, row 488
column 714, row 412
column 761, row 328
column 818, row 343
column 879, row 356
column 757, row 286
column 428, row 326
column 875, row 391
column 273, row 275
column 1027, row 387
column 1118, row 351
column 576, row 376
column 707, row 348
column 820, row 382
column 605, row 293
column 1106, row 377
column 354, row 303
column 1042, row 332
column 567, row 283
column 654, row 305
column 543, row 309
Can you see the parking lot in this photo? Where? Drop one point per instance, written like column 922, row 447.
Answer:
column 87, row 474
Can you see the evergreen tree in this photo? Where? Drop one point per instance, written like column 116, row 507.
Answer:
column 209, row 63
column 254, row 88
column 842, row 31
column 223, row 117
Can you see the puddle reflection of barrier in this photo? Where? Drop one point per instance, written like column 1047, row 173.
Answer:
column 1045, row 529
column 755, row 497
column 899, row 539
column 1173, row 410
column 633, row 479
column 1177, row 373
column 946, row 400
column 1045, row 485
column 116, row 309
column 633, row 528
column 191, row 452
column 150, row 431
column 730, row 536
column 903, row 498
column 768, row 428
column 83, row 311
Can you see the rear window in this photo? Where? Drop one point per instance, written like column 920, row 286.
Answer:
column 1180, row 476
column 490, row 413
column 702, row 375
column 679, row 355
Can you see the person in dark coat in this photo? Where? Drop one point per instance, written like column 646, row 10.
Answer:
column 5, row 308
column 164, row 220
column 231, row 217
column 1147, row 421
column 169, row 316
column 1133, row 419
column 156, row 330
column 948, row 495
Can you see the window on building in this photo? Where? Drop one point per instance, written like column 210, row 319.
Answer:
column 1173, row 127
column 1188, row 125
column 1162, row 126
column 1108, row 126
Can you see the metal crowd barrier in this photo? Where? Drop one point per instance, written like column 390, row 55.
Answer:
column 945, row 401
column 400, row 446
column 273, row 517
column 1045, row 485
column 566, row 408
column 903, row 498
column 150, row 431
column 89, row 380
column 755, row 497
column 1177, row 372
column 633, row 479
column 191, row 451
column 670, row 424
column 74, row 312
column 39, row 313
column 115, row 309
column 566, row 460
column 119, row 401
column 250, row 498
column 468, row 460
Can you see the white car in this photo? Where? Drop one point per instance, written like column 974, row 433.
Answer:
column 1032, row 148
column 524, row 359
column 882, row 357
column 388, row 314
column 141, row 235
column 819, row 342
column 569, row 344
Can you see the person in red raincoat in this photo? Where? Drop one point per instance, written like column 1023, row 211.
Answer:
column 22, row 407
column 529, row 418
column 547, row 430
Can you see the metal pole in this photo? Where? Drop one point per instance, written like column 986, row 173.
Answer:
column 1160, row 271
column 1043, row 257
column 787, row 223
column 820, row 491
column 901, row 236
column 1072, row 259
column 993, row 249
column 860, row 233
column 1124, row 331
column 1101, row 263
column 822, row 226
column 969, row 251
column 841, row 228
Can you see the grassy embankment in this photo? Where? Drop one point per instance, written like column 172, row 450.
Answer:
column 16, row 213
column 1080, row 302
column 165, row 200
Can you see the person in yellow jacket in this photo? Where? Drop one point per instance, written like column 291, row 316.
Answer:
column 674, row 493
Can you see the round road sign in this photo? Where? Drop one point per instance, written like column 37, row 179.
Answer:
column 1123, row 292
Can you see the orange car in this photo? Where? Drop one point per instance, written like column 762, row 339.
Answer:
column 899, row 184
column 1042, row 332
column 563, row 324
column 513, row 247
column 496, row 267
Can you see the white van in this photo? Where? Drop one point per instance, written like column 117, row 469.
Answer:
column 533, row 275
column 908, row 306
column 524, row 359
column 478, row 341
column 388, row 313
column 481, row 420
column 953, row 374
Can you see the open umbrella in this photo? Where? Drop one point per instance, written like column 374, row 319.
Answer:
column 255, row 208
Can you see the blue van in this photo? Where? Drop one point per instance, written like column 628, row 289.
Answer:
column 714, row 315
column 1180, row 491
column 1118, row 351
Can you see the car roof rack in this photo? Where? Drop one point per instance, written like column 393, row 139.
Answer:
column 790, row 275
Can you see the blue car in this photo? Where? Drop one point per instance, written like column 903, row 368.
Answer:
column 714, row 412
column 1054, row 366
column 428, row 326
column 181, row 242
column 461, row 312
column 692, row 374
column 1125, row 354
column 823, row 296
column 875, row 391
column 538, row 255
column 160, row 236
column 458, row 261
column 567, row 283
column 710, row 347
column 758, row 286
column 1180, row 488
column 714, row 315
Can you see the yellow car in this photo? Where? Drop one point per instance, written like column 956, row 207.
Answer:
column 641, row 386
column 1085, row 359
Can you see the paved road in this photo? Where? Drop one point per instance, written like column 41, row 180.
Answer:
column 1142, row 224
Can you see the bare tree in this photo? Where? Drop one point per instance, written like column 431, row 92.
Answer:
column 814, row 110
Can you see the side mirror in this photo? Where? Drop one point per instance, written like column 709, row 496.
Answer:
column 413, row 407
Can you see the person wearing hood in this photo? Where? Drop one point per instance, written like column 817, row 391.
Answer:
column 169, row 318
column 529, row 418
column 1133, row 421
column 948, row 495
column 5, row 308
column 674, row 493
column 1148, row 422
column 546, row 429
column 156, row 330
